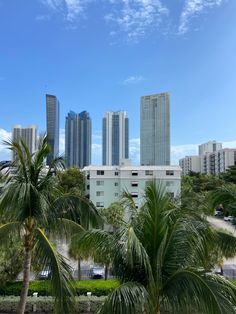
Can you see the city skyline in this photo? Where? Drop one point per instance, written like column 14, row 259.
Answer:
column 185, row 47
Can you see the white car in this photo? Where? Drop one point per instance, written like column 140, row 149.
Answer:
column 229, row 218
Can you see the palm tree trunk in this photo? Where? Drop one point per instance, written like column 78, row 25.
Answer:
column 25, row 284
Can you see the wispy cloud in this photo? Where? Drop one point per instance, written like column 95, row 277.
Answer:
column 70, row 9
column 5, row 153
column 136, row 17
column 43, row 17
column 193, row 8
column 133, row 79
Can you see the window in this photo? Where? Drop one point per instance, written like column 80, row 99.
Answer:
column 134, row 194
column 116, row 194
column 134, row 183
column 169, row 172
column 100, row 193
column 100, row 172
column 88, row 176
column 99, row 204
column 100, row 183
column 148, row 172
column 116, row 184
column 171, row 194
column 134, row 173
column 88, row 187
column 116, row 173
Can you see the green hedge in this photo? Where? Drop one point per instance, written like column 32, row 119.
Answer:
column 46, row 304
column 97, row 287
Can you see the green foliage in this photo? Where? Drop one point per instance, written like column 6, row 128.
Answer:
column 11, row 260
column 113, row 215
column 44, row 287
column 229, row 175
column 72, row 180
column 160, row 258
column 46, row 304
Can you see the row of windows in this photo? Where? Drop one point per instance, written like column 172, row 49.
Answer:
column 133, row 183
column 135, row 173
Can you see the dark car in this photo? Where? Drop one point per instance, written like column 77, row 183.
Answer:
column 97, row 272
column 44, row 274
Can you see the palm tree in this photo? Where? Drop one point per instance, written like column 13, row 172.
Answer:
column 159, row 257
column 33, row 208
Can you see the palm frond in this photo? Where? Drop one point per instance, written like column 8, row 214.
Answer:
column 129, row 298
column 226, row 243
column 48, row 257
column 7, row 230
column 190, row 289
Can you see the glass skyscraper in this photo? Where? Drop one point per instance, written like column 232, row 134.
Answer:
column 52, row 108
column 78, row 139
column 115, row 138
column 155, row 130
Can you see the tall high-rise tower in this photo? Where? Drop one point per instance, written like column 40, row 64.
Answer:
column 52, row 108
column 115, row 138
column 28, row 135
column 155, row 130
column 78, row 139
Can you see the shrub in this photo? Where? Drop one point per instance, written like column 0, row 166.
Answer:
column 43, row 287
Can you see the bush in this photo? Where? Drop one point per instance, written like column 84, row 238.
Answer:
column 43, row 287
column 46, row 304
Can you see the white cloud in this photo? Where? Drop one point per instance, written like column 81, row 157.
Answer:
column 5, row 153
column 193, row 8
column 43, row 17
column 62, row 142
column 70, row 9
column 136, row 17
column 180, row 151
column 133, row 79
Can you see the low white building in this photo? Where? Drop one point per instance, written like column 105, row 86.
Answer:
column 105, row 184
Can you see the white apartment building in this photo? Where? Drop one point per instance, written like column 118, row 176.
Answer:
column 218, row 162
column 105, row 184
column 190, row 163
column 209, row 147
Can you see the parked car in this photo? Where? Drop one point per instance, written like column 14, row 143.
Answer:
column 97, row 272
column 229, row 218
column 44, row 274
column 219, row 213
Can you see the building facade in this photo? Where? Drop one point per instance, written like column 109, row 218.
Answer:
column 115, row 138
column 78, row 138
column 52, row 110
column 155, row 130
column 28, row 135
column 105, row 184
column 218, row 162
column 190, row 163
column 209, row 147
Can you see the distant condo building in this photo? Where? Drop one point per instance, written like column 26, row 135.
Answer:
column 78, row 134
column 28, row 135
column 115, row 138
column 212, row 159
column 209, row 147
column 52, row 108
column 155, row 130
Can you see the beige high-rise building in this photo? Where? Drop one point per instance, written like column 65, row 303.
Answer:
column 28, row 135
column 155, row 130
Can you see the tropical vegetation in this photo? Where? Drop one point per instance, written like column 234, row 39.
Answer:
column 32, row 207
column 160, row 257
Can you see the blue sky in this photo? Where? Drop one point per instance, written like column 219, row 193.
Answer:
column 102, row 55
